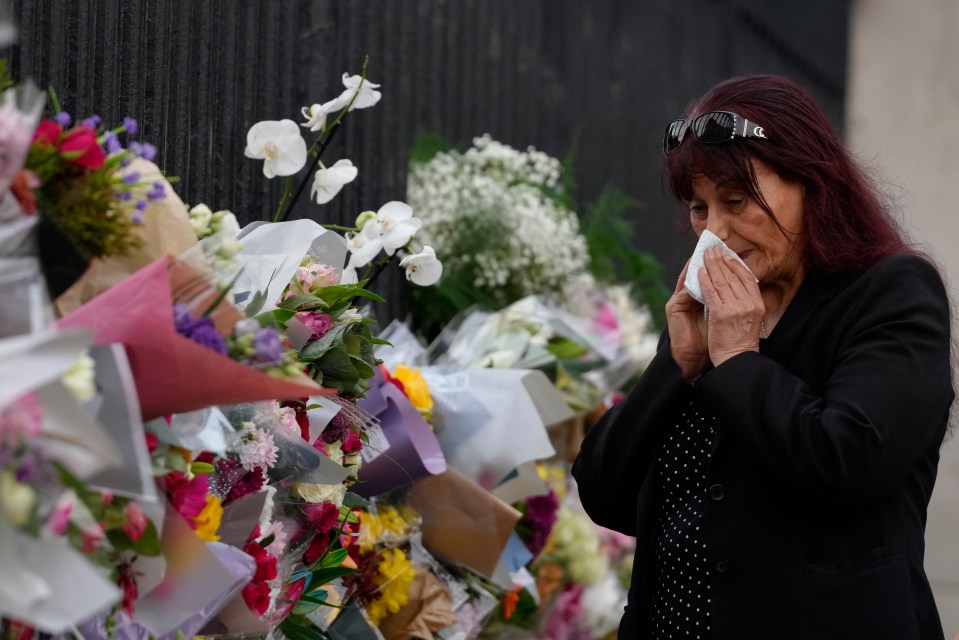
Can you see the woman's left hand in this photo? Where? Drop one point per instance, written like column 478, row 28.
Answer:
column 736, row 307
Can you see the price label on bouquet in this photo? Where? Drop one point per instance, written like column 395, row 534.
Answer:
column 376, row 445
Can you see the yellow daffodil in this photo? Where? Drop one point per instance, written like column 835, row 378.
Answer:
column 417, row 390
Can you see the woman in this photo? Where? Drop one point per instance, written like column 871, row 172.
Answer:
column 776, row 459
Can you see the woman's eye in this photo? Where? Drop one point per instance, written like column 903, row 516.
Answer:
column 697, row 210
column 735, row 204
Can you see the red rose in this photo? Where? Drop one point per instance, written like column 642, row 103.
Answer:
column 257, row 597
column 83, row 139
column 265, row 563
column 48, row 133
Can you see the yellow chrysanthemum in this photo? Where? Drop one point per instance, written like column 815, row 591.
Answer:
column 386, row 525
column 394, row 575
column 416, row 388
column 208, row 522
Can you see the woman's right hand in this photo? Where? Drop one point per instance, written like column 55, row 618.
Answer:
column 686, row 320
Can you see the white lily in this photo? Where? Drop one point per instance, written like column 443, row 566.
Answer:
column 423, row 268
column 278, row 143
column 396, row 225
column 329, row 181
column 367, row 97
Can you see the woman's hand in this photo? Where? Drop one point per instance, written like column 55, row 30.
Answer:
column 736, row 307
column 687, row 330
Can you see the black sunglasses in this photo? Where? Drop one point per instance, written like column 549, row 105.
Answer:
column 711, row 127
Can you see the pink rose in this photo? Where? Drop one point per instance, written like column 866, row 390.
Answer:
column 134, row 522
column 48, row 132
column 318, row 323
column 322, row 517
column 91, row 538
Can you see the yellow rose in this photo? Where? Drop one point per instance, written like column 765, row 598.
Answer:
column 416, row 388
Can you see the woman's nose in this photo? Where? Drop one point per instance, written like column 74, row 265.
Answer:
column 718, row 224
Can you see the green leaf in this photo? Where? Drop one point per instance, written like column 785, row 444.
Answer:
column 347, row 515
column 565, row 349
column 225, row 290
column 267, row 541
column 381, row 341
column 149, row 542
column 296, row 627
column 325, row 576
column 295, row 303
column 275, row 317
column 319, row 347
column 202, row 468
column 256, row 303
column 427, row 145
column 355, row 501
column 334, row 558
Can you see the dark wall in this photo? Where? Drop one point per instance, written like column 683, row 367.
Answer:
column 609, row 73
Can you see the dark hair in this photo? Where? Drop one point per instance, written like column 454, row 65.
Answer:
column 848, row 226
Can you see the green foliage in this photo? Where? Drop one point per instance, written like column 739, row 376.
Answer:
column 613, row 257
column 427, row 145
column 6, row 81
column 343, row 358
column 298, row 627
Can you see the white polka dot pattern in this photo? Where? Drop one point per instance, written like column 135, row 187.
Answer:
column 680, row 600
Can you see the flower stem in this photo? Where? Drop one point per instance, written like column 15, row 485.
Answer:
column 337, row 227
column 286, row 197
column 329, row 132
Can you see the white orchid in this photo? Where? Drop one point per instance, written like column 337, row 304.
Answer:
column 367, row 96
column 423, row 268
column 396, row 225
column 278, row 143
column 316, row 114
column 364, row 246
column 329, row 181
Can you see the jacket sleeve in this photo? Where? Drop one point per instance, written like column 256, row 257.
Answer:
column 616, row 453
column 884, row 406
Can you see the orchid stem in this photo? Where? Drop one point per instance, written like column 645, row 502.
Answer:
column 306, row 178
column 337, row 227
column 286, row 197
column 330, row 132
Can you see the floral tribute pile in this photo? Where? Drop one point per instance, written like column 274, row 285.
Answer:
column 203, row 430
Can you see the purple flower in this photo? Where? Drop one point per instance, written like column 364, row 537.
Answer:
column 141, row 205
column 157, row 192
column 93, row 121
column 124, row 196
column 131, row 125
column 131, row 178
column 336, row 429
column 183, row 319
column 269, row 350
column 540, row 518
column 205, row 334
column 137, row 218
column 27, row 468
column 148, row 151
column 112, row 143
column 63, row 119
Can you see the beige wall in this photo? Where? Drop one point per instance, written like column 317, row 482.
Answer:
column 903, row 117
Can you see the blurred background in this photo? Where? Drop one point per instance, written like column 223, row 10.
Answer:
column 592, row 81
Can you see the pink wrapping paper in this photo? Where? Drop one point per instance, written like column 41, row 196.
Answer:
column 173, row 374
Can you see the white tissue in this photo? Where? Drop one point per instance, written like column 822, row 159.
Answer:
column 707, row 240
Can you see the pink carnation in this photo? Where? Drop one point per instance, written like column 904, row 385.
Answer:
column 352, row 442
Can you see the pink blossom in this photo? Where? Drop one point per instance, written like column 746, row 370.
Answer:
column 561, row 620
column 322, row 516
column 134, row 522
column 90, row 538
column 315, row 276
column 106, row 497
column 22, row 419
column 606, row 318
column 286, row 416
column 60, row 518
column 318, row 323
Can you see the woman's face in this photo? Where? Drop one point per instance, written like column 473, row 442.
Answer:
column 748, row 230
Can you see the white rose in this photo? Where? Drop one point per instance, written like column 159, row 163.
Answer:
column 79, row 379
column 316, row 493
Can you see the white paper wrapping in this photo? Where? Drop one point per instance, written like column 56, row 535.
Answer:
column 272, row 253
column 490, row 421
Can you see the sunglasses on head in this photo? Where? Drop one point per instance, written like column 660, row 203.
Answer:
column 711, row 127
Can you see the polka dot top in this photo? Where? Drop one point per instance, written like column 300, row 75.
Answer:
column 680, row 599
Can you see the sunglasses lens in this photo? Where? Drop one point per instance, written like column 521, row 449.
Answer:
column 714, row 127
column 674, row 135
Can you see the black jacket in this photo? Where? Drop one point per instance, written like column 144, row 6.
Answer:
column 821, row 470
